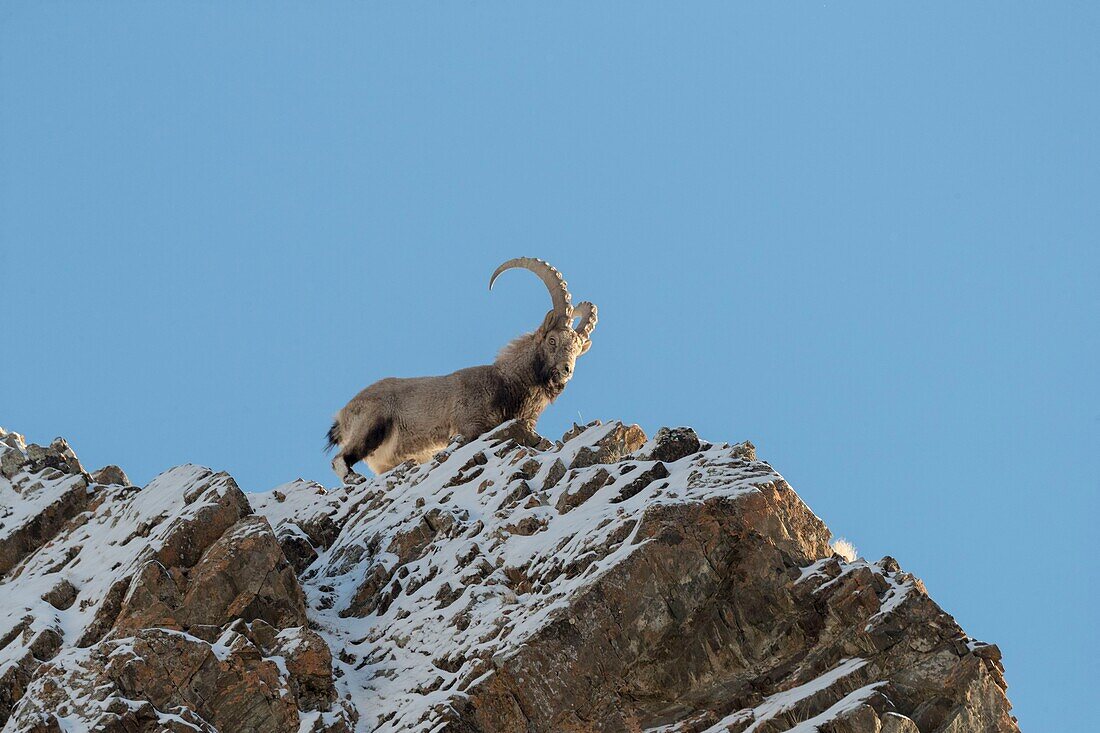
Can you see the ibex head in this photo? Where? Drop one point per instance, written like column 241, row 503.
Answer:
column 557, row 342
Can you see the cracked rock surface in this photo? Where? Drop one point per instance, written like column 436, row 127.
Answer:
column 605, row 582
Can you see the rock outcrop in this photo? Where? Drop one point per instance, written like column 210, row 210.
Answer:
column 170, row 607
column 606, row 582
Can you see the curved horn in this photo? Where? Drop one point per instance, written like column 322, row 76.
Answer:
column 553, row 280
column 586, row 312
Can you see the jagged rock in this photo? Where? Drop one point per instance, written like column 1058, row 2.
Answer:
column 602, row 583
column 41, row 488
column 700, row 572
column 33, row 518
column 610, row 444
column 671, row 444
column 577, row 429
column 227, row 686
column 14, row 678
column 297, row 547
column 243, row 575
column 45, row 644
column 309, row 662
column 898, row 723
column 13, row 453
column 306, row 517
column 111, row 475
column 571, row 500
column 513, row 430
column 628, row 594
column 106, row 611
column 61, row 596
column 554, row 475
column 861, row 718
column 78, row 579
column 57, row 455
column 644, row 479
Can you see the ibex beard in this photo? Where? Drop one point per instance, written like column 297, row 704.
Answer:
column 401, row 419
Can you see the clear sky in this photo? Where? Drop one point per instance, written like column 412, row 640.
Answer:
column 865, row 236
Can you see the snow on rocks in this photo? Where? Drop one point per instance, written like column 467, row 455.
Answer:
column 40, row 490
column 136, row 683
column 135, row 587
column 443, row 574
column 602, row 582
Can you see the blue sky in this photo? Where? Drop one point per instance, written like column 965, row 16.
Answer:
column 863, row 235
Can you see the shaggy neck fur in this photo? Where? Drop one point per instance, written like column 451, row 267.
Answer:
column 522, row 364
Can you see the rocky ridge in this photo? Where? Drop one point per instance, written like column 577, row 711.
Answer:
column 605, row 582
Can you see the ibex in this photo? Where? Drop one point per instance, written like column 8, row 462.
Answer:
column 395, row 420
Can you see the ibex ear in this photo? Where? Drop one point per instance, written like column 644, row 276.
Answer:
column 586, row 346
column 549, row 323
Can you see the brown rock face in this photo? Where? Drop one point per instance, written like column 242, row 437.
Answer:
column 243, row 575
column 309, row 663
column 699, row 607
column 606, row 582
column 111, row 475
column 672, row 444
column 227, row 685
column 43, row 488
column 617, row 441
column 610, row 583
column 23, row 539
column 184, row 614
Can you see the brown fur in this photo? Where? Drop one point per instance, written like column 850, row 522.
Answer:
column 395, row 420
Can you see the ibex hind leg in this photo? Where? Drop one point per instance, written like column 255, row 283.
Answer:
column 359, row 449
column 342, row 466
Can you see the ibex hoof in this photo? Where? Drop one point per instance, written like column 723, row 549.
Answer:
column 354, row 478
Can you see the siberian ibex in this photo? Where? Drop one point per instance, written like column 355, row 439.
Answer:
column 395, row 420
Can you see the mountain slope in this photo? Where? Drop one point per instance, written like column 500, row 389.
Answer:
column 604, row 582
